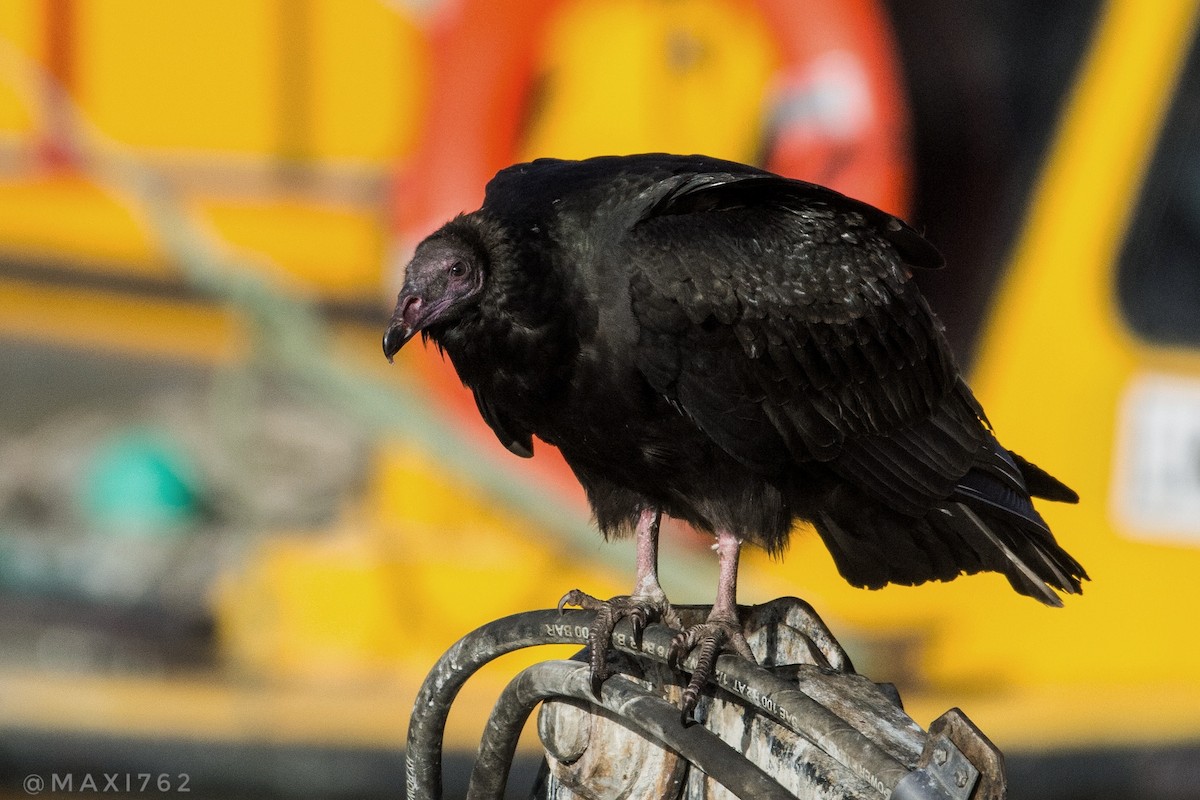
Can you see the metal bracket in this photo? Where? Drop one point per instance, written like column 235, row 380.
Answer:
column 957, row 763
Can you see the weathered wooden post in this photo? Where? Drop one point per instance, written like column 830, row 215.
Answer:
column 799, row 724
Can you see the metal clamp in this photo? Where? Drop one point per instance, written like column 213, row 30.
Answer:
column 957, row 763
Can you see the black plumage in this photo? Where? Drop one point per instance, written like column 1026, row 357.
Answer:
column 737, row 350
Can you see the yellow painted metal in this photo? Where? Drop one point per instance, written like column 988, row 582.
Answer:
column 369, row 71
column 194, row 74
column 313, row 249
column 208, row 74
column 120, row 324
column 207, row 94
column 19, row 31
column 213, row 707
column 1057, row 358
column 682, row 76
column 71, row 219
column 322, row 249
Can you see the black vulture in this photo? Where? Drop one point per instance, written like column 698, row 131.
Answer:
column 737, row 350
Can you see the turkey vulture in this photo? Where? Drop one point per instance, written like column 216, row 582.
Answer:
column 738, row 350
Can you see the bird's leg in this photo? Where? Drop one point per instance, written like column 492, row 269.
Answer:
column 722, row 630
column 648, row 600
column 647, row 588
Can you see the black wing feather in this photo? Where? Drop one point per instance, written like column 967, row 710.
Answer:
column 511, row 435
column 717, row 191
column 797, row 297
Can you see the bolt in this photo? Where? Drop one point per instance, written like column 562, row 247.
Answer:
column 960, row 779
column 940, row 755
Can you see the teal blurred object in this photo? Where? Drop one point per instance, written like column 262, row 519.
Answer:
column 140, row 483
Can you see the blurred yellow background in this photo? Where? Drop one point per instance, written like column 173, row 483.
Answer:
column 223, row 519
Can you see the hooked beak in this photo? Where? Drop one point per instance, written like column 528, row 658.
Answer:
column 406, row 320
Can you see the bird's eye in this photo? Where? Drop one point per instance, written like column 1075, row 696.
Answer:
column 458, row 269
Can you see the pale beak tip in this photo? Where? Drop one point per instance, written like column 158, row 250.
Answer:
column 393, row 340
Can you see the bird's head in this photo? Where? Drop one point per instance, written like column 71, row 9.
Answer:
column 442, row 282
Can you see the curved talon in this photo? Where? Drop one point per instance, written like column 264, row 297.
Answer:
column 638, row 610
column 579, row 600
column 639, row 618
column 680, row 647
column 599, row 638
column 706, row 659
column 707, row 640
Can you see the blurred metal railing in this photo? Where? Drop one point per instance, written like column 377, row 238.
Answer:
column 800, row 724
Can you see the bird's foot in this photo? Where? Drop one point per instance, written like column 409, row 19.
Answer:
column 707, row 640
column 640, row 610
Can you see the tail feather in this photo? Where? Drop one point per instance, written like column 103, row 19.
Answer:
column 1023, row 577
column 1042, row 484
column 987, row 524
column 873, row 549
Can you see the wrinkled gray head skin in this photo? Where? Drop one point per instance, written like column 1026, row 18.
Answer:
column 444, row 279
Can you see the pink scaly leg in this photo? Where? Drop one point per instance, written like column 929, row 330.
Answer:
column 720, row 631
column 648, row 601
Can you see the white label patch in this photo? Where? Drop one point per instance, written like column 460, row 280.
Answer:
column 1156, row 476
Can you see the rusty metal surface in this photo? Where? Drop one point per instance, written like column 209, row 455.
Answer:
column 620, row 765
column 875, row 742
column 801, row 716
column 592, row 756
column 978, row 751
column 638, row 709
column 957, row 763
